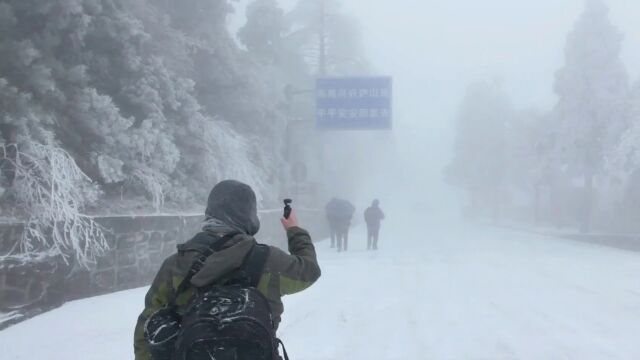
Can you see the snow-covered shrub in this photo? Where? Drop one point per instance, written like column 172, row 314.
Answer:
column 154, row 184
column 156, row 98
column 233, row 156
column 50, row 192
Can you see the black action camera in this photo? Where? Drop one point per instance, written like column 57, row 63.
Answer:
column 287, row 208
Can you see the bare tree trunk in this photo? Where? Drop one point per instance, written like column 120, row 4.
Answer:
column 536, row 204
column 496, row 213
column 587, row 204
column 498, row 196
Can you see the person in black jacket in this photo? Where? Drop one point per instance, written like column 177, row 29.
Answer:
column 330, row 210
column 339, row 214
column 231, row 212
column 373, row 216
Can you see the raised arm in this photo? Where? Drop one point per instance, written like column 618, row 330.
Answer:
column 299, row 269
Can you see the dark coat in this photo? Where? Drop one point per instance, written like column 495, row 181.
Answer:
column 373, row 216
column 339, row 209
column 283, row 274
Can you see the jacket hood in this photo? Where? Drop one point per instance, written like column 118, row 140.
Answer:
column 234, row 203
column 221, row 263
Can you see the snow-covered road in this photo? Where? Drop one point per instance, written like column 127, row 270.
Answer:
column 433, row 291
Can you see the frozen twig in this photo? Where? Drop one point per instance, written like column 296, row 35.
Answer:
column 51, row 191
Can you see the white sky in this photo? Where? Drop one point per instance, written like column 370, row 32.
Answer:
column 445, row 44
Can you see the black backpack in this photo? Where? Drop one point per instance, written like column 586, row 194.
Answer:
column 232, row 321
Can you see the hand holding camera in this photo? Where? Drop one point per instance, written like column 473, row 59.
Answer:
column 289, row 218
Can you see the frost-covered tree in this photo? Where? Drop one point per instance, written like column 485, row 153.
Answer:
column 264, row 30
column 626, row 157
column 480, row 158
column 308, row 26
column 136, row 91
column 50, row 192
column 345, row 49
column 232, row 84
column 87, row 68
column 150, row 98
column 147, row 98
column 592, row 91
column 526, row 137
column 314, row 22
column 624, row 160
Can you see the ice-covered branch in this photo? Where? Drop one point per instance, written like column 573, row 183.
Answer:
column 50, row 191
column 155, row 184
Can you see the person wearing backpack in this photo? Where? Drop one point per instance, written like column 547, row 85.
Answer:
column 373, row 216
column 220, row 294
column 332, row 219
column 344, row 214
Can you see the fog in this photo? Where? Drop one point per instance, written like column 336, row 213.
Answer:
column 435, row 49
column 509, row 179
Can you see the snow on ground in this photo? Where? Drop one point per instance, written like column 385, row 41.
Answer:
column 433, row 291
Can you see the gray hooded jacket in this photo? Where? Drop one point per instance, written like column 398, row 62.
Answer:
column 231, row 209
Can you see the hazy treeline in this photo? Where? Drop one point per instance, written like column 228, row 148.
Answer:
column 574, row 164
column 156, row 98
column 119, row 106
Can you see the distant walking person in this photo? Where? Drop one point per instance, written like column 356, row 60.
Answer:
column 331, row 212
column 373, row 216
column 344, row 214
column 339, row 215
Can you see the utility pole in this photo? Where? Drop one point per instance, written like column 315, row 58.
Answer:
column 322, row 56
column 322, row 72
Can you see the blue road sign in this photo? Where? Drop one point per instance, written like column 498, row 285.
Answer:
column 354, row 103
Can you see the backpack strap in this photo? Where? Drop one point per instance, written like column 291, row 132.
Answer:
column 250, row 272
column 255, row 264
column 284, row 350
column 216, row 245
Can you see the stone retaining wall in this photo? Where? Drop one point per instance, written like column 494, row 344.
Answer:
column 138, row 245
column 630, row 242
